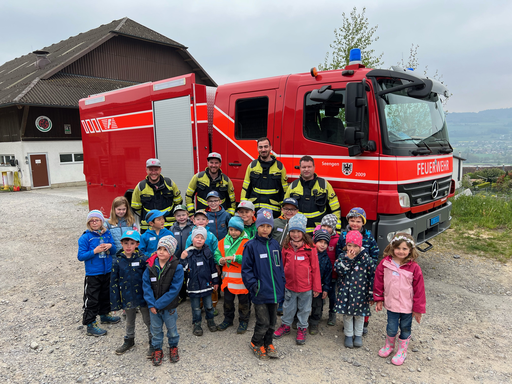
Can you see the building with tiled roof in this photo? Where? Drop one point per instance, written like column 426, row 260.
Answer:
column 39, row 94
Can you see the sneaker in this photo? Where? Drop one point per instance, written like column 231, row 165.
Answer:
column 198, row 331
column 109, row 319
column 215, row 312
column 173, row 354
column 259, row 352
column 212, row 327
column 224, row 325
column 313, row 329
column 94, row 330
column 332, row 319
column 349, row 342
column 128, row 344
column 301, row 336
column 158, row 354
column 242, row 327
column 358, row 341
column 272, row 352
column 281, row 331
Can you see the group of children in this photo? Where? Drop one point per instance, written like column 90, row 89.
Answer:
column 272, row 263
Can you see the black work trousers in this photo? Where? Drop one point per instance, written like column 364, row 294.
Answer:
column 96, row 297
column 244, row 306
column 266, row 317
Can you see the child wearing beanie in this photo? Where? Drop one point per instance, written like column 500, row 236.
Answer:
column 302, row 274
column 162, row 282
column 321, row 240
column 229, row 257
column 263, row 275
column 96, row 248
column 356, row 269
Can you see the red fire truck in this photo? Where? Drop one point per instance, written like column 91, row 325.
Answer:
column 379, row 137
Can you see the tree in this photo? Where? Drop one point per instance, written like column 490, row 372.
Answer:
column 354, row 33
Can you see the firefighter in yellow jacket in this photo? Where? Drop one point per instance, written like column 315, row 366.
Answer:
column 265, row 181
column 211, row 179
column 315, row 195
column 155, row 192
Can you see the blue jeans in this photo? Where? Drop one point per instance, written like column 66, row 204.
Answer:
column 157, row 328
column 402, row 319
column 195, row 303
column 297, row 303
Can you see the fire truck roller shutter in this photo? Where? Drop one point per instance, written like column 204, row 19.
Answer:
column 173, row 135
column 333, row 130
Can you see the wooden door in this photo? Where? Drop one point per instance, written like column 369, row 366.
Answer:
column 39, row 169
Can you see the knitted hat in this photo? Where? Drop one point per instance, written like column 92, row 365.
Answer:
column 245, row 204
column 237, row 223
column 95, row 213
column 169, row 243
column 330, row 220
column 357, row 212
column 265, row 216
column 153, row 214
column 298, row 222
column 131, row 234
column 322, row 234
column 199, row 231
column 354, row 237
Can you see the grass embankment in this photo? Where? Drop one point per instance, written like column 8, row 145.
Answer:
column 481, row 225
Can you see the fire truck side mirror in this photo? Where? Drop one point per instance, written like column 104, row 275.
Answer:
column 355, row 103
column 322, row 95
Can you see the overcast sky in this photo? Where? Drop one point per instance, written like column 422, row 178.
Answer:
column 468, row 42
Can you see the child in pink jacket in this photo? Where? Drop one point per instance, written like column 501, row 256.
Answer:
column 399, row 286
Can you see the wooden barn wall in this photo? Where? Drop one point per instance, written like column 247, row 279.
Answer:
column 59, row 117
column 10, row 121
column 123, row 58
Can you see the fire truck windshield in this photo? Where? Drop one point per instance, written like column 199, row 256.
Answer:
column 412, row 122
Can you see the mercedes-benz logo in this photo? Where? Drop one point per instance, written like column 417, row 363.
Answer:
column 435, row 189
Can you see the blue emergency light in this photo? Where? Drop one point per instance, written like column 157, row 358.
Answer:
column 355, row 56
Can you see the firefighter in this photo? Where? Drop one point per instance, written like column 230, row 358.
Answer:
column 265, row 181
column 315, row 195
column 211, row 179
column 155, row 192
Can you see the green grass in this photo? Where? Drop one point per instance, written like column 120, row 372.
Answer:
column 481, row 224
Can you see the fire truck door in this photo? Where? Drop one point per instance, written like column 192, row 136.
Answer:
column 173, row 138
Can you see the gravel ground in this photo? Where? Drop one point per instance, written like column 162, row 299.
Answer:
column 463, row 337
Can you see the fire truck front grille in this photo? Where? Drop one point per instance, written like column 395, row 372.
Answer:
column 425, row 191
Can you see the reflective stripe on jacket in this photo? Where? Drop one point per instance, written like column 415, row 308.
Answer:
column 202, row 183
column 232, row 271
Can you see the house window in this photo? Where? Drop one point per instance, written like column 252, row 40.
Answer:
column 5, row 160
column 251, row 118
column 67, row 158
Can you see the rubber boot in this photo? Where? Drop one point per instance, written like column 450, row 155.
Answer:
column 128, row 343
column 388, row 348
column 401, row 354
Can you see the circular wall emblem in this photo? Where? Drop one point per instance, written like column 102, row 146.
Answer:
column 43, row 123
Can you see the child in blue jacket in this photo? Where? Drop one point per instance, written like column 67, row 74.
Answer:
column 218, row 218
column 203, row 279
column 263, row 275
column 95, row 249
column 149, row 240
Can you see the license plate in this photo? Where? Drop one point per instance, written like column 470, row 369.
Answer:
column 434, row 220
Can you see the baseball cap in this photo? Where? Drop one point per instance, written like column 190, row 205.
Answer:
column 131, row 234
column 212, row 194
column 200, row 212
column 245, row 204
column 153, row 214
column 292, row 201
column 214, row 155
column 153, row 163
column 179, row 207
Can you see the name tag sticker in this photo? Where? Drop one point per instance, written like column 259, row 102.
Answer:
column 153, row 279
column 135, row 264
column 395, row 273
column 152, row 238
column 199, row 263
column 177, row 233
column 280, row 229
column 263, row 255
column 300, row 257
column 331, row 248
column 226, row 246
column 212, row 221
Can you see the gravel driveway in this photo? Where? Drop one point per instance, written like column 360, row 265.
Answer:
column 465, row 335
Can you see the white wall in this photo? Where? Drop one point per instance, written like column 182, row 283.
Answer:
column 58, row 173
column 457, row 167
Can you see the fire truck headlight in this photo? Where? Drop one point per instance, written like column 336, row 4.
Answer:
column 392, row 234
column 403, row 199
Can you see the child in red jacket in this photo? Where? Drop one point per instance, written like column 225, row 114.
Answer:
column 302, row 275
column 399, row 286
